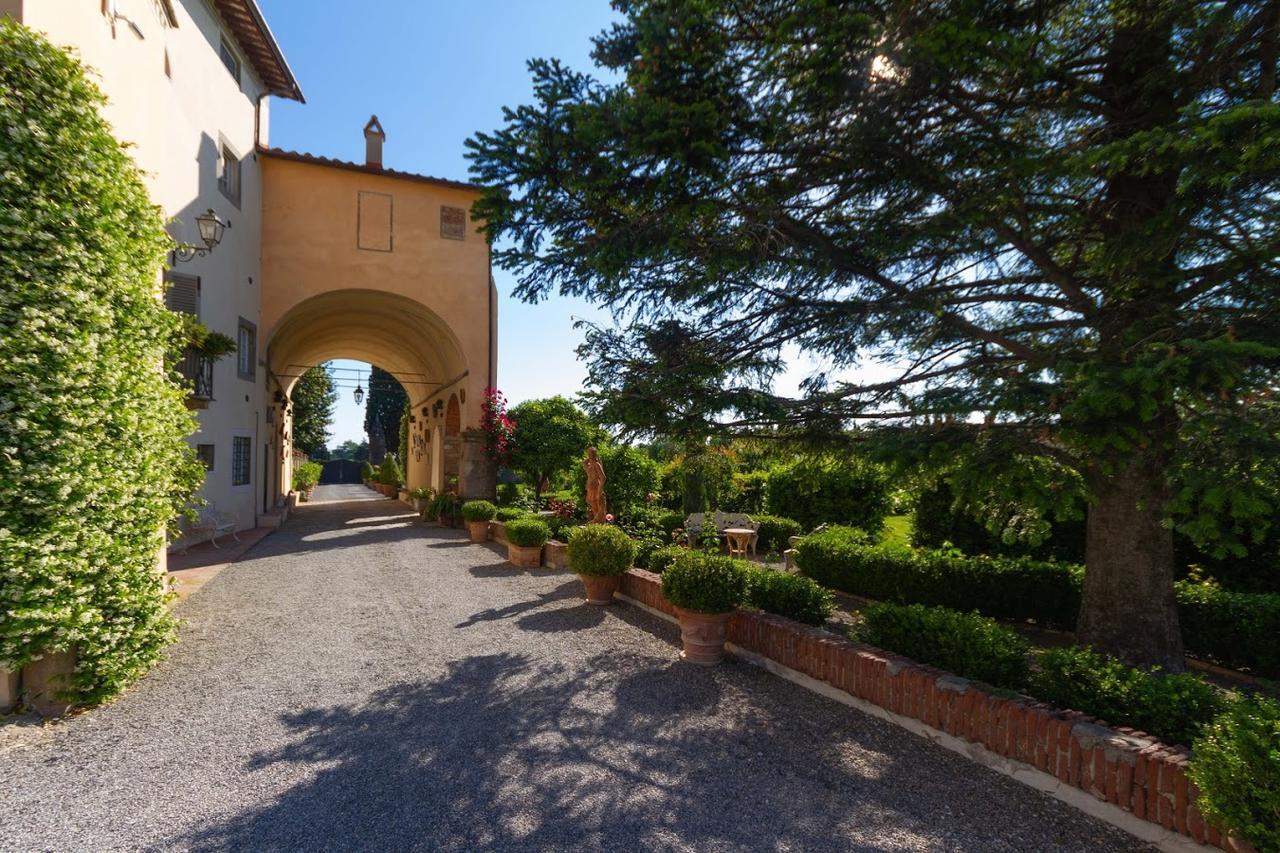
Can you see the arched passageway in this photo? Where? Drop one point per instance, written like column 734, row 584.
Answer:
column 418, row 349
column 387, row 268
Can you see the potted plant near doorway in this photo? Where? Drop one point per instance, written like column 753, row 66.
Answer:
column 705, row 589
column 478, row 515
column 600, row 554
column 525, row 538
column 421, row 498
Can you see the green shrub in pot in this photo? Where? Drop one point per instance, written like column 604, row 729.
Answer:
column 479, row 511
column 510, row 513
column 527, row 532
column 705, row 583
column 600, row 549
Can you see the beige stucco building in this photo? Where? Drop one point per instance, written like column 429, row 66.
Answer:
column 322, row 259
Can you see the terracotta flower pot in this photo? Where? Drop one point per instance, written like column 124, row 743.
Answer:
column 524, row 557
column 479, row 531
column 600, row 588
column 703, row 635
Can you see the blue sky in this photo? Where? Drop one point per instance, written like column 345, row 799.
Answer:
column 435, row 73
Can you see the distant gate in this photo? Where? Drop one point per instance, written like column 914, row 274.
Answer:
column 340, row 471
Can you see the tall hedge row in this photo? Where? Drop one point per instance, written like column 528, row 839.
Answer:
column 1235, row 629
column 93, row 461
column 829, row 491
column 1006, row 587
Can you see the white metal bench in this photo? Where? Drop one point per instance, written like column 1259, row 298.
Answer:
column 215, row 522
column 720, row 520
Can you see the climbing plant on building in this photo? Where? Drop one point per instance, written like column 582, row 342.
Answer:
column 93, row 462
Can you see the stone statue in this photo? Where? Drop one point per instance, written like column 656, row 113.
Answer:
column 595, row 486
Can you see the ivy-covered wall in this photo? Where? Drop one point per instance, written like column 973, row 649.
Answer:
column 93, row 461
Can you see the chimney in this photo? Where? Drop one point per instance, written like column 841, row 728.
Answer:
column 374, row 136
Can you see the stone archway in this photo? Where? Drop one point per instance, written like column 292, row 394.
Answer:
column 410, row 342
column 388, row 268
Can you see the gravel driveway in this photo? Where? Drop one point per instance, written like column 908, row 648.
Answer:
column 360, row 681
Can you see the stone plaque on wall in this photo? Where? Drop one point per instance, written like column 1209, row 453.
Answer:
column 453, row 223
column 373, row 222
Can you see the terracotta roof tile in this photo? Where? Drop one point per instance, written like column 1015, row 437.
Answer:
column 250, row 30
column 316, row 159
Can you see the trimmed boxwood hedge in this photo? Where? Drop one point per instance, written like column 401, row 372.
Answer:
column 479, row 511
column 790, row 595
column 1005, row 587
column 1171, row 707
column 705, row 583
column 1234, row 629
column 964, row 643
column 600, row 549
column 95, row 461
column 528, row 532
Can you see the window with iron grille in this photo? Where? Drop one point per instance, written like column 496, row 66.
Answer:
column 241, row 459
column 205, row 453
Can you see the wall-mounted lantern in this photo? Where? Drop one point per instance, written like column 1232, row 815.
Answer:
column 438, row 408
column 211, row 228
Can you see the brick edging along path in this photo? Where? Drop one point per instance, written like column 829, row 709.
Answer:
column 1122, row 767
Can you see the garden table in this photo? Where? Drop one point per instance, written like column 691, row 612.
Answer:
column 739, row 538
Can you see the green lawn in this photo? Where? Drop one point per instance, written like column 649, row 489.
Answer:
column 897, row 530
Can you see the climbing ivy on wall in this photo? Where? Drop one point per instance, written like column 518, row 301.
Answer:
column 93, row 461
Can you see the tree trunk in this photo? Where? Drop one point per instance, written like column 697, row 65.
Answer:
column 377, row 446
column 695, row 493
column 1129, row 609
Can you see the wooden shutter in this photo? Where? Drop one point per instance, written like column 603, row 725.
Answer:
column 183, row 294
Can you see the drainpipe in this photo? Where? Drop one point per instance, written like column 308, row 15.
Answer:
column 257, row 120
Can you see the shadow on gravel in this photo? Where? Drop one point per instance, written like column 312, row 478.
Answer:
column 619, row 751
column 569, row 589
column 494, row 570
column 577, row 618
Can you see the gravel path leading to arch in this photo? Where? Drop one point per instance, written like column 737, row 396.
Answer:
column 360, row 681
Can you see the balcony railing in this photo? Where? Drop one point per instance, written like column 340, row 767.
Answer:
column 197, row 371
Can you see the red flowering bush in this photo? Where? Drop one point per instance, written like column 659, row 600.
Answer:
column 498, row 427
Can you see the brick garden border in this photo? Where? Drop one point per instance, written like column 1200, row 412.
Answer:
column 1119, row 775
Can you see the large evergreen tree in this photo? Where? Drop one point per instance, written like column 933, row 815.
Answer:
column 1059, row 220
column 313, row 398
column 384, row 405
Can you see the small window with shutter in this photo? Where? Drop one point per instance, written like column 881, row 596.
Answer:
column 183, row 293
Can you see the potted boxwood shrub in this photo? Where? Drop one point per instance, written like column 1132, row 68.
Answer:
column 600, row 554
column 525, row 538
column 478, row 515
column 421, row 497
column 705, row 590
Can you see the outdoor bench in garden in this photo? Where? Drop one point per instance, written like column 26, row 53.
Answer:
column 213, row 521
